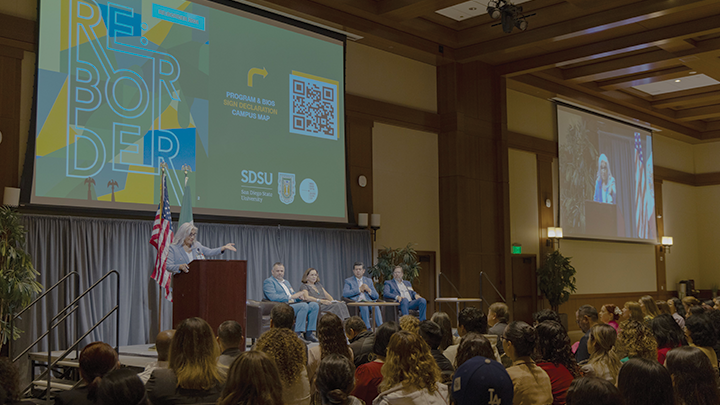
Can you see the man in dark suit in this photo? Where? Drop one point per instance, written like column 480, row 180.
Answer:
column 277, row 289
column 360, row 288
column 229, row 338
column 401, row 291
column 361, row 340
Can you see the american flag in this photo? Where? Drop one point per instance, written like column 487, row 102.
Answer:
column 161, row 237
column 641, row 223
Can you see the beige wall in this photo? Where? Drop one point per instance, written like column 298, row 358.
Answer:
column 523, row 200
column 673, row 154
column 706, row 157
column 405, row 173
column 708, row 235
column 530, row 115
column 681, row 222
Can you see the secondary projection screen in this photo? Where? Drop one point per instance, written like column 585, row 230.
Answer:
column 254, row 107
column 606, row 178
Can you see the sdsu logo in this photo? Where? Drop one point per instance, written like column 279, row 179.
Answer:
column 286, row 187
column 253, row 177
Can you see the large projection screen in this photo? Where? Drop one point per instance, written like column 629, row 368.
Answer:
column 606, row 183
column 253, row 106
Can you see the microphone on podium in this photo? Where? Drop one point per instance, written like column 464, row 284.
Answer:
column 200, row 256
column 451, row 283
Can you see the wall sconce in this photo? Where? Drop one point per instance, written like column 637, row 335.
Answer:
column 374, row 225
column 667, row 242
column 363, row 220
column 554, row 234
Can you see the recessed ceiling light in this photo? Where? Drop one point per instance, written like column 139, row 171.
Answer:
column 677, row 81
column 693, row 72
column 473, row 8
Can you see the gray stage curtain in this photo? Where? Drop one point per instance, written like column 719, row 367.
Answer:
column 92, row 247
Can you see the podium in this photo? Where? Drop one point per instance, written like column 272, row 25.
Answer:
column 214, row 290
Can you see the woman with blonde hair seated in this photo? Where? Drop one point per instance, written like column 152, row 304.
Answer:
column 253, row 379
column 410, row 373
column 636, row 340
column 288, row 351
column 603, row 362
column 192, row 375
column 631, row 311
column 649, row 308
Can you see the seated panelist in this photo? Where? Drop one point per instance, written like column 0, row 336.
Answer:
column 360, row 288
column 401, row 291
column 185, row 249
column 277, row 289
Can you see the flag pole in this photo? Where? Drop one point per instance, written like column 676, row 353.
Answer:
column 160, row 298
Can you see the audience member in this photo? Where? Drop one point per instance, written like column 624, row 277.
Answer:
column 546, row 314
column 282, row 316
column 192, row 375
column 700, row 333
column 10, row 384
column 694, row 381
column 715, row 320
column 276, row 288
column 332, row 340
column 498, row 318
column 122, row 386
column 361, row 289
column 668, row 335
column 695, row 310
column 482, row 381
column 410, row 323
column 609, row 314
column 410, row 374
column 586, row 317
column 401, row 291
column 677, row 310
column 368, row 376
column 442, row 319
column 162, row 346
column 96, row 360
column 288, row 352
column 431, row 333
column 650, row 310
column 593, row 391
column 603, row 361
column 663, row 307
column 311, row 283
column 531, row 384
column 632, row 311
column 472, row 319
column 471, row 345
column 717, row 303
column 688, row 302
column 645, row 382
column 230, row 339
column 361, row 340
column 335, row 380
column 253, row 379
column 708, row 305
column 556, row 358
column 636, row 340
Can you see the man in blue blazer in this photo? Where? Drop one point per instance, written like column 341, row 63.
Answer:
column 360, row 288
column 277, row 289
column 401, row 291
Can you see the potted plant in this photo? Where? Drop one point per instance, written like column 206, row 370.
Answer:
column 556, row 280
column 388, row 258
column 17, row 273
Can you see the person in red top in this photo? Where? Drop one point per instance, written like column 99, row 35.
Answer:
column 556, row 358
column 368, row 376
column 668, row 334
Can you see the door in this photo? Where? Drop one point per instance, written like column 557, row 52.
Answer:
column 524, row 287
column 425, row 283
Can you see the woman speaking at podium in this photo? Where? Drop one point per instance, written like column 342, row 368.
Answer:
column 185, row 249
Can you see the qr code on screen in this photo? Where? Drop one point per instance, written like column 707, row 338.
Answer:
column 313, row 107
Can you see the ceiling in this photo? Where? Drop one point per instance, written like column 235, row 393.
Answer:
column 590, row 51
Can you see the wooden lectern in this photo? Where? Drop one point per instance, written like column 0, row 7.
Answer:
column 214, row 290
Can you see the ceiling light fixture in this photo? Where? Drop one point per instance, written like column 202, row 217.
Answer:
column 509, row 14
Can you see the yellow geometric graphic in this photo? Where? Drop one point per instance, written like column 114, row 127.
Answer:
column 136, row 186
column 52, row 136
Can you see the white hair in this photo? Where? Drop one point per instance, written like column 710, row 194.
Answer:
column 183, row 232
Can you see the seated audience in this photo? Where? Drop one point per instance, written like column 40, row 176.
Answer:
column 700, row 333
column 410, row 374
column 689, row 302
column 335, row 380
column 481, row 381
column 431, row 333
column 368, row 376
column 717, row 303
column 556, row 358
column 632, row 311
column 288, row 352
column 471, row 345
column 282, row 316
column 410, row 323
column 442, row 319
column 192, row 375
column 645, row 382
column 593, row 391
column 361, row 340
column 650, row 310
column 708, row 305
column 636, row 340
column 498, row 318
column 96, row 360
column 230, row 339
column 695, row 310
column 545, row 314
column 694, row 381
column 361, row 289
column 332, row 340
column 311, row 283
column 715, row 320
column 668, row 335
column 586, row 317
column 162, row 346
column 677, row 310
column 10, row 384
column 531, row 384
column 472, row 319
column 603, row 361
column 276, row 288
column 253, row 379
column 663, row 307
column 401, row 291
column 122, row 386
column 609, row 314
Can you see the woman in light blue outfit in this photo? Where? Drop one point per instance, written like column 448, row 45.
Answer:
column 185, row 249
column 605, row 182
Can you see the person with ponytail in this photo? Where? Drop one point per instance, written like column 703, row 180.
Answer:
column 531, row 384
column 335, row 380
column 96, row 360
column 604, row 362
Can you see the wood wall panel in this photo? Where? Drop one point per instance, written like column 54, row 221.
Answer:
column 10, row 72
column 360, row 162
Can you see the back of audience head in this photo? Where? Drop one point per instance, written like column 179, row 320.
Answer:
column 700, row 331
column 638, row 340
column 690, row 301
column 96, row 360
column 593, row 391
column 694, row 379
column 382, row 338
column 287, row 350
column 647, row 303
column 500, row 311
column 353, row 326
column 667, row 332
column 442, row 319
column 331, row 336
column 409, row 362
column 522, row 337
column 472, row 319
column 335, row 379
column 162, row 344
column 473, row 344
column 633, row 311
column 645, row 382
column 282, row 316
column 554, row 346
column 546, row 315
column 253, row 378
column 193, row 355
column 695, row 310
column 586, row 316
column 122, row 387
column 663, row 307
column 410, row 323
column 431, row 333
column 9, row 380
column 230, row 335
column 600, row 344
column 677, row 305
column 708, row 305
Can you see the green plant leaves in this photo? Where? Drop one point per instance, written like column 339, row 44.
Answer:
column 556, row 279
column 388, row 258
